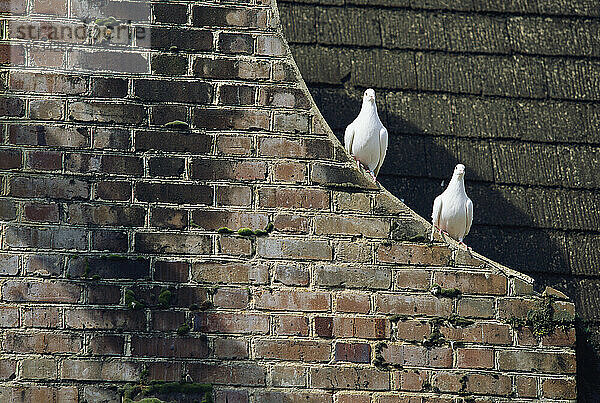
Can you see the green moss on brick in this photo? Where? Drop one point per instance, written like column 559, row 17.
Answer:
column 164, row 298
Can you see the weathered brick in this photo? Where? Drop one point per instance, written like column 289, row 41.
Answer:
column 291, row 223
column 224, row 272
column 292, row 275
column 236, row 43
column 554, row 363
column 292, row 300
column 47, row 83
column 24, row 394
column 336, row 177
column 106, row 215
column 475, row 358
column 289, row 172
column 559, row 388
column 46, row 238
column 176, row 91
column 349, row 378
column 223, row 322
column 179, row 39
column 353, row 302
column 291, row 325
column 231, row 396
column 414, row 254
column 353, row 352
column 40, row 291
column 46, row 109
column 44, row 160
column 293, row 198
column 294, row 350
column 229, row 374
column 104, row 294
column 229, row 119
column 368, row 227
column 90, row 370
column 413, row 279
column 9, row 316
column 233, row 195
column 118, row 62
column 109, row 319
column 487, row 333
column 117, row 267
column 474, row 383
column 473, row 283
column 171, row 271
column 288, row 376
column 166, row 166
column 43, row 57
column 308, row 397
column 103, row 112
column 169, row 218
column 408, row 354
column 413, row 304
column 185, row 347
column 283, row 98
column 352, row 277
column 8, row 369
column 13, row 54
column 526, row 386
column 47, row 317
column 111, row 138
column 44, row 265
column 113, row 190
column 111, row 164
column 8, row 210
column 106, row 345
column 293, row 123
column 363, row 328
column 237, row 95
column 234, row 298
column 174, row 193
column 170, row 13
column 234, row 145
column 476, row 307
column 412, row 330
column 230, row 348
column 218, row 170
column 41, row 343
column 294, row 249
column 167, row 321
column 235, row 246
column 169, row 65
column 227, row 17
column 113, row 241
column 39, row 368
column 178, row 142
column 109, row 87
column 231, row 69
column 215, row 219
column 44, row 135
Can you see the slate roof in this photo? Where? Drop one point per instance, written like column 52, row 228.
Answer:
column 510, row 88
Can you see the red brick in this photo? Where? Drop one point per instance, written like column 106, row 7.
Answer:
column 414, row 254
column 174, row 193
column 553, row 363
column 291, row 325
column 113, row 190
column 46, row 109
column 235, row 246
column 345, row 201
column 106, row 215
column 167, row 321
column 171, row 271
column 292, row 275
column 230, row 273
column 293, row 350
column 292, row 300
column 234, row 195
column 475, row 358
column 289, row 172
column 514, row 308
column 45, row 160
column 229, row 374
column 7, row 369
column 105, row 319
column 175, row 347
column 353, row 352
column 487, row 333
column 231, row 396
column 165, row 371
column 291, row 223
column 413, row 279
column 10, row 159
column 324, row 326
column 353, row 398
column 560, row 338
column 476, row 307
column 473, row 383
column 48, row 83
column 220, row 119
column 230, row 348
column 12, row 54
column 240, row 323
column 227, row 17
column 27, row 394
column 92, row 370
column 41, row 343
column 349, row 378
column 412, row 380
column 173, row 243
column 234, row 145
column 44, row 265
column 294, row 249
column 283, row 98
column 413, row 355
column 169, row 218
column 412, row 330
column 38, row 291
column 9, row 316
column 473, row 283
column 106, row 345
column 234, row 220
column 48, row 317
column 367, row 227
column 293, row 397
column 288, row 376
column 353, row 251
column 352, row 277
column 413, row 304
column 526, row 386
column 352, row 302
column 231, row 298
column 362, row 328
column 41, row 212
column 104, row 294
column 293, row 198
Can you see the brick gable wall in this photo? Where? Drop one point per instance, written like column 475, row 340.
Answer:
column 124, row 163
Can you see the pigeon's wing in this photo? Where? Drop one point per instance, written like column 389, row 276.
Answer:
column 383, row 144
column 469, row 206
column 349, row 138
column 437, row 211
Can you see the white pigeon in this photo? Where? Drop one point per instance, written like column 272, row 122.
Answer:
column 453, row 210
column 366, row 138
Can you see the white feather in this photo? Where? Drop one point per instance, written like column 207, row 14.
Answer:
column 366, row 138
column 453, row 210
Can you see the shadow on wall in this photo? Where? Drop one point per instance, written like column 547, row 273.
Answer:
column 501, row 231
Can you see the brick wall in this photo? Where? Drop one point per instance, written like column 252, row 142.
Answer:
column 125, row 163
